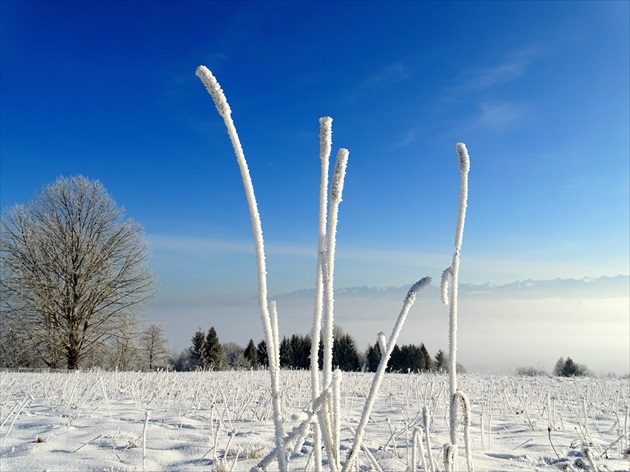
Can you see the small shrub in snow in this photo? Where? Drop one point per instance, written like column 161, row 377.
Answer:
column 569, row 368
column 530, row 372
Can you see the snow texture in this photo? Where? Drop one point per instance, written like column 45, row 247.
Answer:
column 200, row 421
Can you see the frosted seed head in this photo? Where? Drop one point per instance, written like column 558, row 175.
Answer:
column 415, row 288
column 325, row 136
column 214, row 89
column 325, row 121
column 340, row 173
column 464, row 159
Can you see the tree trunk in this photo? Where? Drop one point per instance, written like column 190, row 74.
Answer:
column 73, row 351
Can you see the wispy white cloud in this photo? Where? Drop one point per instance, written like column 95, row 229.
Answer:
column 407, row 138
column 382, row 79
column 515, row 65
column 498, row 114
column 196, row 245
column 204, row 246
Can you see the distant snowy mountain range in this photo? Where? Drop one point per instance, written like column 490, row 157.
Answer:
column 600, row 287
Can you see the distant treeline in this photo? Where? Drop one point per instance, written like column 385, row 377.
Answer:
column 206, row 352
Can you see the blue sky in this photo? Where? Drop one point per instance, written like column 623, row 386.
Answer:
column 537, row 90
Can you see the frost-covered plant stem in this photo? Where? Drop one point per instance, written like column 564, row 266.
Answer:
column 274, row 355
column 426, row 424
column 24, row 403
column 327, row 415
column 144, row 440
column 328, row 267
column 460, row 397
column 213, row 87
column 417, row 446
column 371, row 458
column 325, row 146
column 626, row 431
column 336, row 415
column 298, row 432
column 382, row 366
column 452, row 273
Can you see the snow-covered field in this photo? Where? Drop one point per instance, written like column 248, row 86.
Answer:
column 201, row 421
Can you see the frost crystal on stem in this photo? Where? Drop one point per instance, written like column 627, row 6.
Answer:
column 215, row 90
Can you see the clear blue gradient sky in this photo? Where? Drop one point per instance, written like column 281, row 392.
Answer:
column 537, row 90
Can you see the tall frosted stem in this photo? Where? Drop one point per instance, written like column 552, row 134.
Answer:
column 452, row 273
column 328, row 268
column 325, row 146
column 213, row 87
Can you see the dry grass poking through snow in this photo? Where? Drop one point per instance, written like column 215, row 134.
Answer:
column 224, row 421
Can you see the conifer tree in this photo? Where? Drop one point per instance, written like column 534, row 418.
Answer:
column 441, row 362
column 263, row 356
column 559, row 367
column 286, row 353
column 345, row 355
column 373, row 357
column 427, row 362
column 412, row 359
column 197, row 350
column 300, row 351
column 570, row 368
column 213, row 351
column 251, row 354
column 395, row 363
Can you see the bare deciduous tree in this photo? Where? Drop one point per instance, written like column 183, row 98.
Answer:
column 153, row 344
column 73, row 270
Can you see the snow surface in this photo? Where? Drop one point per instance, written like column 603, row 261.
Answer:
column 200, row 421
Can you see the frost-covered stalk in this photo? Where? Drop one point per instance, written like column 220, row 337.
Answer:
column 298, row 433
column 426, row 422
column 380, row 371
column 213, row 87
column 328, row 268
column 549, row 421
column 626, row 431
column 482, row 427
column 463, row 399
column 452, row 273
column 325, row 427
column 274, row 355
column 417, row 445
column 17, row 414
column 325, row 146
column 336, row 415
column 375, row 467
column 589, row 457
column 144, row 440
column 450, row 453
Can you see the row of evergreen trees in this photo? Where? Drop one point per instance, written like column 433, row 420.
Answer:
column 207, row 352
